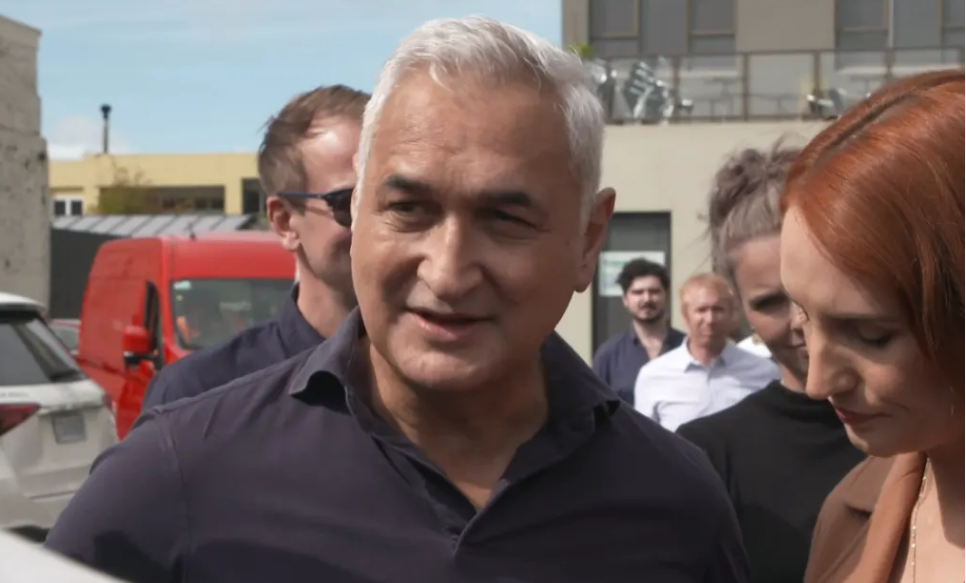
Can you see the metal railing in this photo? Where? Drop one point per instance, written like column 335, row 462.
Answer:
column 753, row 86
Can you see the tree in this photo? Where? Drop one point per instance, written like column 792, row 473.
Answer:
column 129, row 193
column 582, row 50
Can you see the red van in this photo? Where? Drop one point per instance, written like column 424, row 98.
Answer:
column 150, row 301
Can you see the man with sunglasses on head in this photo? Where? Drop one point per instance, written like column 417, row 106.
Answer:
column 305, row 165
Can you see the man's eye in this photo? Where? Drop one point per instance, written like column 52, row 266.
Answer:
column 404, row 208
column 507, row 217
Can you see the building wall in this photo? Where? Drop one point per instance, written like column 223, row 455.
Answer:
column 86, row 177
column 784, row 25
column 24, row 206
column 669, row 169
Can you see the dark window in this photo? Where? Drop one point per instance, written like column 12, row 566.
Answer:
column 60, row 207
column 629, row 235
column 952, row 23
column 30, row 354
column 650, row 28
column 253, row 199
column 862, row 24
column 76, row 207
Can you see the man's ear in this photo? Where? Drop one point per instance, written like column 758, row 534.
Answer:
column 595, row 233
column 280, row 214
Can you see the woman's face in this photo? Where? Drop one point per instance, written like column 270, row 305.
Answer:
column 756, row 268
column 863, row 358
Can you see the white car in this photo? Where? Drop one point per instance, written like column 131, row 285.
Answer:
column 54, row 421
column 25, row 562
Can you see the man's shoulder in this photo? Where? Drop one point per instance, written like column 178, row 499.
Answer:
column 214, row 366
column 661, row 456
column 225, row 405
column 663, row 363
column 609, row 345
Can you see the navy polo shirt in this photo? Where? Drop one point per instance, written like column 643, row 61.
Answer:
column 252, row 349
column 288, row 475
column 618, row 360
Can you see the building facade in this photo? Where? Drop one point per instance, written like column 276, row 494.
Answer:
column 24, row 214
column 219, row 183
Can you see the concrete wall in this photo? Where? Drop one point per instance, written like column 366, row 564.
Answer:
column 784, row 25
column 24, row 205
column 669, row 169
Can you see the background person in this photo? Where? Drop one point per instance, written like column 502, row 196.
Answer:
column 305, row 165
column 778, row 452
column 707, row 373
column 645, row 293
column 872, row 251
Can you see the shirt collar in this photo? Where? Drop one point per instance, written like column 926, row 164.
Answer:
column 572, row 387
column 295, row 332
column 683, row 359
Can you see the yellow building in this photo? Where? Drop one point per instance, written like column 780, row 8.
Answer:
column 225, row 183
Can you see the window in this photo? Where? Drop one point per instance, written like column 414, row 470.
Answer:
column 30, row 354
column 615, row 28
column 68, row 206
column 876, row 25
column 862, row 24
column 711, row 27
column 209, row 311
column 649, row 28
column 953, row 12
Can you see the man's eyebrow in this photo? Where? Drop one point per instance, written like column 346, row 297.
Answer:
column 511, row 197
column 407, row 185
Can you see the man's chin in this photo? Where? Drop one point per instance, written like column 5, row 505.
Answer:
column 650, row 318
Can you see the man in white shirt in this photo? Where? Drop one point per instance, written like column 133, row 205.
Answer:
column 707, row 373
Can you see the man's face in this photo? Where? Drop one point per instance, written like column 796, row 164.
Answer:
column 320, row 243
column 468, row 243
column 709, row 314
column 646, row 299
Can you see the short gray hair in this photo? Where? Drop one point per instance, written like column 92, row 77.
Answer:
column 449, row 48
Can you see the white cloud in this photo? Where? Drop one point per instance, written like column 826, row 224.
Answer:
column 72, row 137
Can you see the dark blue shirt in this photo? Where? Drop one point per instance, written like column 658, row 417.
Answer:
column 618, row 360
column 251, row 350
column 288, row 475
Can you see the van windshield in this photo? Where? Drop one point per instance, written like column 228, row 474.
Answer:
column 207, row 312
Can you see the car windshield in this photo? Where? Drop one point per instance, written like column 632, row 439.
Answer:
column 209, row 311
column 30, row 354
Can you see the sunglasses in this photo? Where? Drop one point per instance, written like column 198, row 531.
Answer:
column 339, row 201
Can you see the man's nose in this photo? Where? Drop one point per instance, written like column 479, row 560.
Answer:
column 450, row 265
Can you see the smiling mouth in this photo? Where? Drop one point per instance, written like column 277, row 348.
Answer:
column 447, row 327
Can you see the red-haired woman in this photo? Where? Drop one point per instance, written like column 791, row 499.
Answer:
column 872, row 251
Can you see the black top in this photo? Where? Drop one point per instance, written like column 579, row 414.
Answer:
column 252, row 349
column 780, row 454
column 287, row 475
column 618, row 360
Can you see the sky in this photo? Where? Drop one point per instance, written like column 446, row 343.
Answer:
column 185, row 76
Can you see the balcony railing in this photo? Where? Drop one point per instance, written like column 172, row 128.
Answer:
column 753, row 86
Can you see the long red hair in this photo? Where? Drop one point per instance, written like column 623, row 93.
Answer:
column 881, row 191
